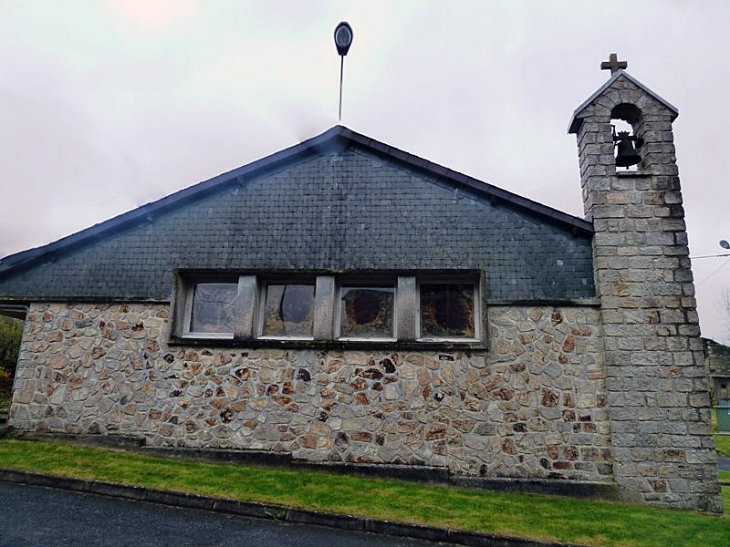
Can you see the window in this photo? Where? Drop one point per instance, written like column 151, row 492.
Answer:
column 367, row 312
column 288, row 311
column 211, row 310
column 447, row 310
column 368, row 307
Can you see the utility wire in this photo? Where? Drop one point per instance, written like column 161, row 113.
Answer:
column 709, row 256
column 713, row 273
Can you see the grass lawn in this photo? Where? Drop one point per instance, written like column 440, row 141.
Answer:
column 722, row 444
column 539, row 517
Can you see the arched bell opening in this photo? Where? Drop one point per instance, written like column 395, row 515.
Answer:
column 625, row 119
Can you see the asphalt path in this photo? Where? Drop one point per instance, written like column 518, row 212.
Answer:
column 723, row 463
column 39, row 517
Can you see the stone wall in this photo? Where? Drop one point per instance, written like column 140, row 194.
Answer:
column 717, row 362
column 533, row 406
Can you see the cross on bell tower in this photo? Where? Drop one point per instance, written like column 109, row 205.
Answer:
column 613, row 64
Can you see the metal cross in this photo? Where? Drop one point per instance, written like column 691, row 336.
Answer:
column 613, row 64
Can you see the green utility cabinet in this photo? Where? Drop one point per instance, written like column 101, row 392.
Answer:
column 722, row 413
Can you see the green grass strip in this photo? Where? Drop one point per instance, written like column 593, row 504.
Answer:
column 722, row 443
column 537, row 517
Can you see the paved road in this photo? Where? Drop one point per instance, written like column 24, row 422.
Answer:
column 723, row 463
column 39, row 517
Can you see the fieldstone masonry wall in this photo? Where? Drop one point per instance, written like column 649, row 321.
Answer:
column 657, row 385
column 533, row 406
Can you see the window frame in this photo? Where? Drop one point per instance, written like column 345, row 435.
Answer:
column 260, row 308
column 189, row 299
column 453, row 279
column 364, row 282
column 327, row 312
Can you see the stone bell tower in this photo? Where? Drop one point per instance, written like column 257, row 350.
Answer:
column 659, row 407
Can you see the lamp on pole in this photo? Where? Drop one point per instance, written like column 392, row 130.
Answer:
column 343, row 41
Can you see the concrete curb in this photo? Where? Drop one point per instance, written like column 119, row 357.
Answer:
column 272, row 512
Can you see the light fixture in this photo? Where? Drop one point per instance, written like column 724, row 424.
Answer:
column 343, row 41
column 343, row 38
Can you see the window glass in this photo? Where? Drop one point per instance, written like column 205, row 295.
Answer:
column 366, row 312
column 213, row 307
column 288, row 310
column 447, row 310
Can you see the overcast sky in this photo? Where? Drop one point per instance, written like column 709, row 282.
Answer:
column 106, row 105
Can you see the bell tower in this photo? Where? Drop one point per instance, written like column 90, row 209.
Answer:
column 659, row 406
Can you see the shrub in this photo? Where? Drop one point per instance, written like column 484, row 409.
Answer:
column 6, row 386
column 11, row 331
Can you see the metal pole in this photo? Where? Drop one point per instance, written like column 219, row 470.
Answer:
column 709, row 256
column 342, row 65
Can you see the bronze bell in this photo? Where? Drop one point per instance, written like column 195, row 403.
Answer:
column 626, row 154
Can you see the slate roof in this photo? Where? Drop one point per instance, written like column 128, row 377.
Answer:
column 411, row 186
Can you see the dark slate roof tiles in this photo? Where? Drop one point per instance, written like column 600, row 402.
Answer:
column 338, row 201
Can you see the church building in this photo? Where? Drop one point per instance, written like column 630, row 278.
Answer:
column 345, row 301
